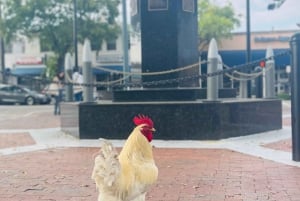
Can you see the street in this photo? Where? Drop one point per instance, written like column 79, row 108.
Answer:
column 28, row 117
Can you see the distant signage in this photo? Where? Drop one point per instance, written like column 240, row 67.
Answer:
column 29, row 61
column 262, row 39
column 111, row 58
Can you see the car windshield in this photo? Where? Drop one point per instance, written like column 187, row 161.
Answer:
column 26, row 89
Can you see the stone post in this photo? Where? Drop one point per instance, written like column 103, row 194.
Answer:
column 212, row 67
column 220, row 77
column 269, row 76
column 68, row 78
column 258, row 83
column 87, row 72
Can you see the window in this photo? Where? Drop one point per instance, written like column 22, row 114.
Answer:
column 8, row 48
column 44, row 47
column 134, row 7
column 283, row 75
column 154, row 5
column 111, row 45
column 188, row 5
column 18, row 46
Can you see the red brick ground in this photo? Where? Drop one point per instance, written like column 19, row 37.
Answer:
column 184, row 174
column 283, row 145
column 15, row 140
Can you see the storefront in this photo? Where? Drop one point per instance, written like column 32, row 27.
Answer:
column 28, row 72
column 233, row 52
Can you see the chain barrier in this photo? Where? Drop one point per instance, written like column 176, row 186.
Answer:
column 118, row 83
column 250, row 76
column 245, row 76
column 154, row 73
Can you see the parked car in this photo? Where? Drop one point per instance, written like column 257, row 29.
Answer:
column 22, row 95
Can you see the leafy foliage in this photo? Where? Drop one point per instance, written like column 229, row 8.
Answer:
column 52, row 22
column 215, row 22
column 51, row 63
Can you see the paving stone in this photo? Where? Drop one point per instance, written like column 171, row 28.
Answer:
column 15, row 140
column 64, row 174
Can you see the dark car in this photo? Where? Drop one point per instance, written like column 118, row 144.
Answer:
column 21, row 95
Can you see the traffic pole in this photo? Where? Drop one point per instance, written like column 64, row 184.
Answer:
column 295, row 92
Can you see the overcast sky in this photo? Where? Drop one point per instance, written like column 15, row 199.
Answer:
column 284, row 18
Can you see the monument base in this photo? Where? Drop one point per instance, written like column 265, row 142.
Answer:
column 167, row 94
column 189, row 120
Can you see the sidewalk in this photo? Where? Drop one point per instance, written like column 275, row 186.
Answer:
column 38, row 162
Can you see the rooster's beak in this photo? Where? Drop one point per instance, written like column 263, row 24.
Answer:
column 153, row 130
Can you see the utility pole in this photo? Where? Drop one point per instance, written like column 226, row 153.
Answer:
column 75, row 34
column 248, row 47
column 245, row 86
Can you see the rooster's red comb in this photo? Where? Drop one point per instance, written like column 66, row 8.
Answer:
column 142, row 119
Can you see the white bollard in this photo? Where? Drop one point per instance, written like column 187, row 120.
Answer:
column 220, row 68
column 68, row 75
column 87, row 72
column 212, row 67
column 200, row 72
column 269, row 76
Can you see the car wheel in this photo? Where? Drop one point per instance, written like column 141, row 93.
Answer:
column 29, row 100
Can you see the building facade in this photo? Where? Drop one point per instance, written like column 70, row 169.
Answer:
column 233, row 52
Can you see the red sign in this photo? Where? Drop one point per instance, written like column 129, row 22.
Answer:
column 29, row 61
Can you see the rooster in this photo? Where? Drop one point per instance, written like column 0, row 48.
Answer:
column 127, row 176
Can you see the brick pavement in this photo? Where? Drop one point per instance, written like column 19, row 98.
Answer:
column 63, row 174
column 9, row 140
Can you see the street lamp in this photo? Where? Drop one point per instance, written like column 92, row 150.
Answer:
column 275, row 4
column 245, row 86
column 248, row 46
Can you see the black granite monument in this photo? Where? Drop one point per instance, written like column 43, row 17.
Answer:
column 168, row 31
column 168, row 35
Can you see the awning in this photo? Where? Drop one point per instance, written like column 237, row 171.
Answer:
column 232, row 58
column 238, row 57
column 29, row 70
column 107, row 69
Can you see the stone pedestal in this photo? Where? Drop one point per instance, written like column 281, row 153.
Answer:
column 189, row 120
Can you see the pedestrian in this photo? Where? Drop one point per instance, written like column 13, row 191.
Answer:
column 58, row 79
column 78, row 80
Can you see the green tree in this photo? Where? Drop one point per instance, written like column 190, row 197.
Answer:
column 215, row 22
column 52, row 22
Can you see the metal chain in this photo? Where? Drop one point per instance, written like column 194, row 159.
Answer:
column 153, row 73
column 117, row 83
